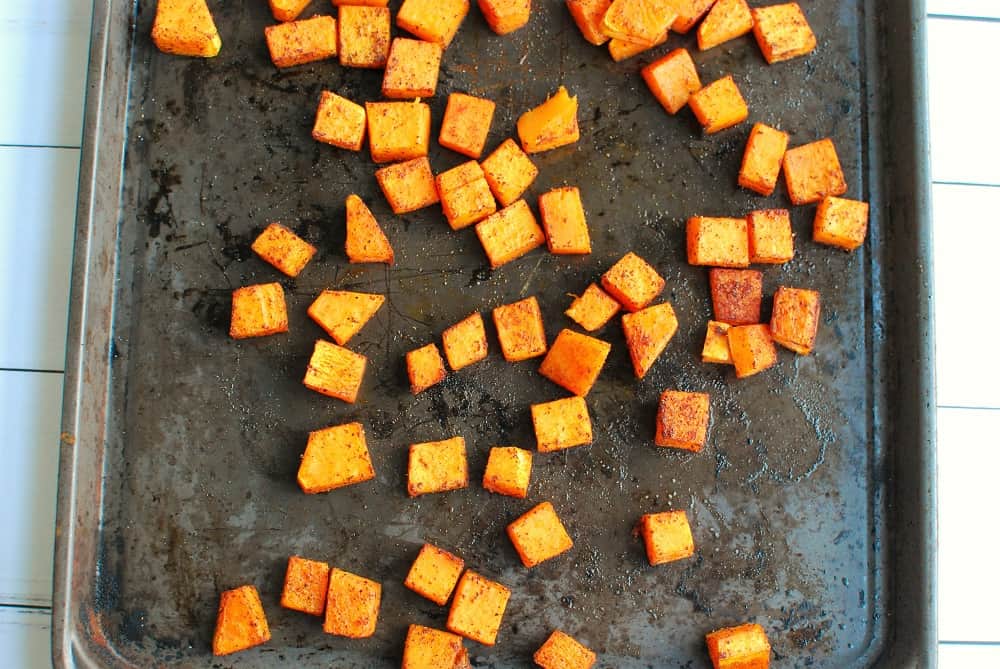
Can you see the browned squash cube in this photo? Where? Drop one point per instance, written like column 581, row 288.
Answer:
column 365, row 241
column 667, row 536
column 647, row 333
column 752, row 349
column 363, row 36
column 589, row 16
column 287, row 10
column 432, row 20
column 736, row 295
column 564, row 221
column 283, row 249
column 352, row 604
column 633, row 282
column 437, row 466
column 508, row 471
column 342, row 313
column 771, row 238
column 727, row 20
column 561, row 651
column 682, row 420
column 465, row 195
column 575, row 361
column 795, row 318
column 335, row 372
column 408, row 186
column 241, row 622
column 509, row 233
column 434, row 574
column 812, row 172
column 335, row 457
column 478, row 608
column 716, row 348
column 185, row 28
column 762, row 159
column 520, row 330
column 742, row 647
column 306, row 582
column 428, row 648
column 719, row 105
column 722, row 242
column 672, row 79
column 425, row 368
column 301, row 42
column 509, row 171
column 413, row 68
column 841, row 222
column 466, row 124
column 561, row 424
column 782, row 32
column 398, row 131
column 593, row 309
column 539, row 535
column 465, row 342
column 505, row 16
column 258, row 311
column 339, row 122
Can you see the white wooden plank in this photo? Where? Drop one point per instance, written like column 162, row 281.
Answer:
column 30, row 416
column 967, row 8
column 968, row 656
column 38, row 208
column 25, row 638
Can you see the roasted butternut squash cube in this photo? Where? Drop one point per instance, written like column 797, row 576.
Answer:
column 639, row 21
column 752, row 349
column 812, row 172
column 432, row 20
column 428, row 648
column 241, row 622
column 564, row 221
column 667, row 536
column 465, row 195
column 258, row 311
column 478, row 608
column 437, row 466
column 509, row 233
column 352, row 604
column 306, row 583
column 342, row 313
column 363, row 36
column 365, row 241
column 593, row 309
column 632, row 282
column 458, row 176
column 539, row 535
column 398, row 130
column 465, row 342
column 283, row 249
column 466, row 124
column 335, row 457
column 287, row 10
column 520, row 330
column 795, row 318
column 561, row 651
column 505, row 16
column 689, row 12
column 575, row 361
column 339, row 122
column 508, row 471
column 722, row 242
column 719, row 105
column 425, row 368
column 672, row 79
column 509, row 172
column 782, row 32
column 589, row 17
column 841, row 222
column 647, row 333
column 408, row 186
column 303, row 41
column 736, row 295
column 742, row 647
column 716, row 348
column 549, row 125
column 335, row 372
column 620, row 49
column 434, row 574
column 682, row 420
column 762, row 159
column 727, row 20
column 185, row 28
column 561, row 424
column 413, row 68
column 771, row 239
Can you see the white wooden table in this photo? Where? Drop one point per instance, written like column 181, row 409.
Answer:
column 43, row 55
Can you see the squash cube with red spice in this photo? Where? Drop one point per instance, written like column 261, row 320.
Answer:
column 365, row 241
column 425, row 368
column 304, row 41
column 509, row 233
column 742, row 647
column 575, row 361
column 633, row 282
column 782, row 32
column 412, row 69
column 306, row 583
column 771, row 238
column 408, row 186
column 505, row 16
column 335, row 457
column 561, row 424
column 287, row 10
column 434, row 574
column 428, row 648
column 185, row 28
column 722, row 242
column 549, row 125
column 466, row 124
column 672, row 79
column 716, row 348
column 682, row 420
column 339, row 122
column 363, row 36
column 621, row 50
column 508, row 471
column 719, row 105
column 593, row 309
column 647, row 333
column 465, row 195
column 795, row 318
column 465, row 342
column 561, row 651
column 437, row 466
column 477, row 609
column 752, row 349
column 564, row 221
column 539, row 535
column 667, row 536
column 258, row 311
column 432, row 20
column 639, row 21
column 689, row 12
column 812, row 172
column 352, row 604
column 727, row 20
column 335, row 371
column 342, row 313
column 736, row 295
column 762, row 159
column 509, row 171
column 241, row 622
column 398, row 130
column 841, row 222
column 520, row 330
column 588, row 16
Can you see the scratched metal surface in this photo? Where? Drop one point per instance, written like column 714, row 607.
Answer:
column 787, row 501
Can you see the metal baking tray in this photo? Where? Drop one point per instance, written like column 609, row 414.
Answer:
column 813, row 505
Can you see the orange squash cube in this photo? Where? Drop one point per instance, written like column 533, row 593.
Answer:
column 593, row 309
column 434, row 574
column 339, row 122
column 812, row 172
column 727, row 20
column 413, row 68
column 716, row 348
column 520, row 330
column 589, row 17
column 283, row 249
column 561, row 651
column 258, row 311
column 620, row 49
column 505, row 16
column 342, row 313
column 682, row 420
column 352, row 604
column 742, row 647
column 408, row 186
column 782, row 32
column 465, row 195
column 287, row 10
column 639, row 21
column 561, row 424
column 841, row 222
column 363, row 36
column 425, row 368
column 432, row 20
column 689, row 12
column 736, row 295
column 771, row 238
column 667, row 536
column 306, row 583
column 795, row 318
column 722, row 242
column 241, row 622
column 509, row 172
column 549, row 125
column 466, row 124
column 335, row 372
column 564, row 221
column 301, row 42
column 428, row 648
column 539, row 535
column 719, row 105
column 185, row 28
column 509, row 233
column 632, row 282
column 365, row 241
column 762, row 159
column 752, row 349
column 437, row 466
column 398, row 130
column 575, row 361
column 647, row 333
column 478, row 608
column 672, row 79
column 508, row 471
column 335, row 457
column 465, row 342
